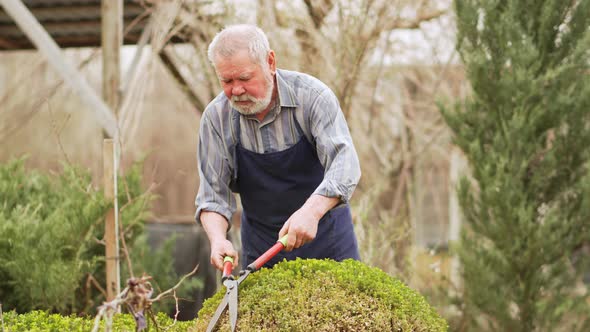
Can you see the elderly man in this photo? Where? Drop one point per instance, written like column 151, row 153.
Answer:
column 280, row 140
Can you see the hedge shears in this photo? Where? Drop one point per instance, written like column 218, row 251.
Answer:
column 231, row 284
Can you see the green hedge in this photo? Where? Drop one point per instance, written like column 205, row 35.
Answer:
column 324, row 295
column 300, row 295
column 41, row 321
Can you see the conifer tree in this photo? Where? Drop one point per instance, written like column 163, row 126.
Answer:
column 525, row 131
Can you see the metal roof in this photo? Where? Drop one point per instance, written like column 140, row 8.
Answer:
column 72, row 23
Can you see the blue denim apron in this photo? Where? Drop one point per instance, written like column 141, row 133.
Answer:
column 272, row 187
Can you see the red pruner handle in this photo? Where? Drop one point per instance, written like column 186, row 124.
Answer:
column 228, row 266
column 270, row 253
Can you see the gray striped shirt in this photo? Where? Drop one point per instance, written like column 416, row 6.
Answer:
column 317, row 113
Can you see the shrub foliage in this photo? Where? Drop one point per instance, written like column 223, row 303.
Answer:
column 50, row 232
column 525, row 133
column 324, row 295
column 42, row 321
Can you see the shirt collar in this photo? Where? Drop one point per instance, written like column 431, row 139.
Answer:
column 286, row 94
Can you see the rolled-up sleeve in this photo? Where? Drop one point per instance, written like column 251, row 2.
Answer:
column 335, row 148
column 215, row 171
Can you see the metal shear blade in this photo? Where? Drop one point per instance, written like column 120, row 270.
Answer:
column 231, row 284
column 229, row 300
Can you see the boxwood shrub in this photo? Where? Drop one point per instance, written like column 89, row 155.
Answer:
column 324, row 295
column 42, row 321
column 300, row 295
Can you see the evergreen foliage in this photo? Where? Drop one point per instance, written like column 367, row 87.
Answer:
column 50, row 227
column 42, row 321
column 525, row 131
column 324, row 295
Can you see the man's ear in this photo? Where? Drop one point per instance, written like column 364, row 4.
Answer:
column 272, row 64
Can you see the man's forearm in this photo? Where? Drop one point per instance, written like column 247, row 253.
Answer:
column 319, row 205
column 215, row 225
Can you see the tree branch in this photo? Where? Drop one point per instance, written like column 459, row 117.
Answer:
column 415, row 23
column 136, row 296
column 318, row 12
column 177, row 285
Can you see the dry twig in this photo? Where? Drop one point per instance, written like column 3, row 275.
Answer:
column 136, row 296
column 177, row 285
column 91, row 281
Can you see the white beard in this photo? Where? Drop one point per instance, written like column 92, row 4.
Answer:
column 259, row 104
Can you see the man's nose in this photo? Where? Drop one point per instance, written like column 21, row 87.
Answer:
column 238, row 90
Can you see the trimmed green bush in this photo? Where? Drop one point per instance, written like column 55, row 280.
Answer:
column 324, row 295
column 41, row 321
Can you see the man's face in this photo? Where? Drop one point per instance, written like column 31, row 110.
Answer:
column 246, row 84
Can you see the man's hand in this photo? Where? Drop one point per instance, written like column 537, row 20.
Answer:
column 220, row 249
column 216, row 226
column 302, row 226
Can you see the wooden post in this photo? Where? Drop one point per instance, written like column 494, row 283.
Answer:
column 111, row 227
column 111, row 39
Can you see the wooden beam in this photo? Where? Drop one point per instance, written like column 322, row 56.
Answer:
column 132, row 70
column 22, row 43
column 63, row 28
column 111, row 40
column 74, row 12
column 167, row 59
column 47, row 46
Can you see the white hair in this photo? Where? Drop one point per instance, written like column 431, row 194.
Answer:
column 234, row 38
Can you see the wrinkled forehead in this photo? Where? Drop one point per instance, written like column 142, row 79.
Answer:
column 241, row 74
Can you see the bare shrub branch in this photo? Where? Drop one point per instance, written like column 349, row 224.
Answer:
column 137, row 299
